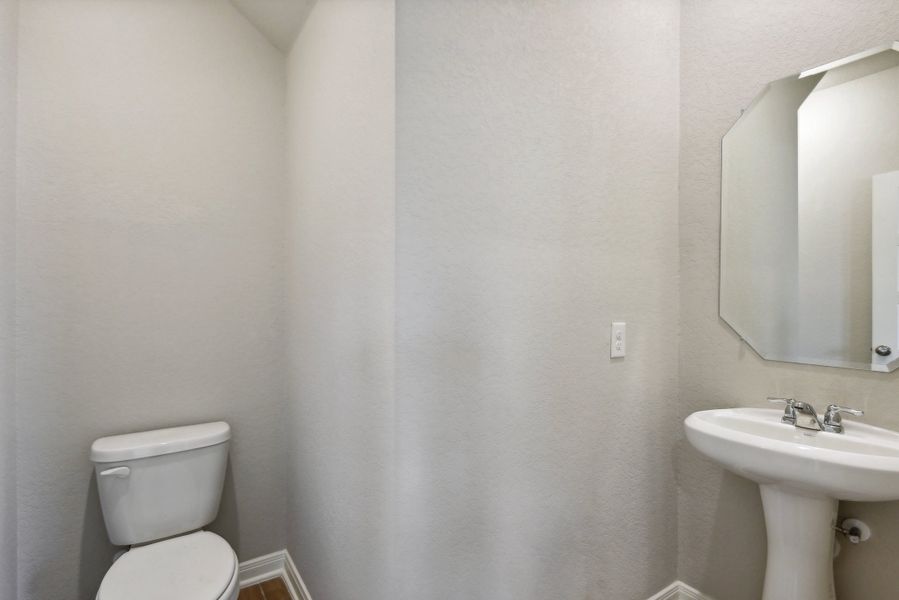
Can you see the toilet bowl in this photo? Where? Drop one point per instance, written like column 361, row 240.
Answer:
column 157, row 490
column 197, row 566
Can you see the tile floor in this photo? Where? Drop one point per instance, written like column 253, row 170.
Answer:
column 273, row 589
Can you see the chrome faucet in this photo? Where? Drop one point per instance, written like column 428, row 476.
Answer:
column 806, row 417
column 803, row 414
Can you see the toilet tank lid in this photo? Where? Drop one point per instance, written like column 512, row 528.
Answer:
column 142, row 444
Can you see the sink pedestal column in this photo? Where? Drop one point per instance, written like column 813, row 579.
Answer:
column 800, row 544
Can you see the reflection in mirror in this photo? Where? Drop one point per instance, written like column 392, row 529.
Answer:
column 810, row 216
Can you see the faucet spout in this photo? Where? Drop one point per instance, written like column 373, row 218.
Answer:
column 807, row 417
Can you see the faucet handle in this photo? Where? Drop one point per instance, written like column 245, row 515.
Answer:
column 787, row 401
column 835, row 410
column 789, row 416
column 833, row 420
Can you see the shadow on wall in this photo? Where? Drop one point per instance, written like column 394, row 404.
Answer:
column 96, row 550
column 738, row 516
column 226, row 524
column 726, row 511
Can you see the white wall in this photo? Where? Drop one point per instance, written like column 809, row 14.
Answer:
column 341, row 219
column 533, row 173
column 150, row 254
column 8, row 30
column 729, row 50
column 536, row 203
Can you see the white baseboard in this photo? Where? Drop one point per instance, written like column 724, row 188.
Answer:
column 280, row 564
column 276, row 564
column 679, row 590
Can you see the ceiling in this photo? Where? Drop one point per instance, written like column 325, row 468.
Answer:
column 277, row 20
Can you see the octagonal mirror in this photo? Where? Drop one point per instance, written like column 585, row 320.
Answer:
column 810, row 216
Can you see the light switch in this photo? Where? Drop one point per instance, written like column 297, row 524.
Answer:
column 619, row 339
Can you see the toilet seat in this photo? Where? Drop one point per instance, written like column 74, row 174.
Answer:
column 197, row 566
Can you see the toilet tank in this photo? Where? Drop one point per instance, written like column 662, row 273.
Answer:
column 156, row 484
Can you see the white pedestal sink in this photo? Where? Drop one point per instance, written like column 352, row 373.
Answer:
column 802, row 475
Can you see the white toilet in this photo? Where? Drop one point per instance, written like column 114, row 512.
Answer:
column 157, row 489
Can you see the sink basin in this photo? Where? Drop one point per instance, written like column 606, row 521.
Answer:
column 802, row 474
column 861, row 464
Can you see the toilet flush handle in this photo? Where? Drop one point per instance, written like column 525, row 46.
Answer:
column 119, row 472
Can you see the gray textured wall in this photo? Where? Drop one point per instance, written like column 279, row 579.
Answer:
column 729, row 50
column 536, row 160
column 536, row 203
column 8, row 29
column 340, row 268
column 150, row 262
